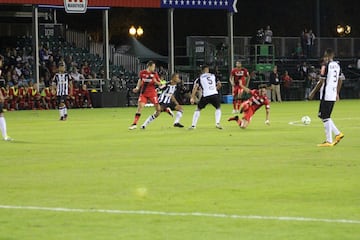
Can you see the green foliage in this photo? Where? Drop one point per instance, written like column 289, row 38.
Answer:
column 92, row 161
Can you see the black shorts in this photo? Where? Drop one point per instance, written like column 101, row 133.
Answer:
column 1, row 107
column 61, row 99
column 213, row 100
column 166, row 105
column 325, row 109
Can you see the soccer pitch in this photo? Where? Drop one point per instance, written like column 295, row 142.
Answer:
column 91, row 178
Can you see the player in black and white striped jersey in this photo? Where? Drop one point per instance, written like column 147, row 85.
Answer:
column 167, row 102
column 62, row 81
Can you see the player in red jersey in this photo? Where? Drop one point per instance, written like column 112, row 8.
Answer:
column 148, row 78
column 238, row 75
column 249, row 107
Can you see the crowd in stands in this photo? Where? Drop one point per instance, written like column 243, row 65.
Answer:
column 22, row 91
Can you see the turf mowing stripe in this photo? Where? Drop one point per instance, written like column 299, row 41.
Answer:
column 195, row 214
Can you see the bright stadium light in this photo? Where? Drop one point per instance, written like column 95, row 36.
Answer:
column 347, row 29
column 136, row 32
column 343, row 30
column 139, row 31
column 340, row 29
column 132, row 31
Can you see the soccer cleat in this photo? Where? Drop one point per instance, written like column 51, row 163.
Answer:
column 192, row 128
column 65, row 116
column 168, row 110
column 179, row 125
column 233, row 118
column 325, row 144
column 132, row 127
column 218, row 126
column 61, row 119
column 143, row 127
column 7, row 138
column 338, row 138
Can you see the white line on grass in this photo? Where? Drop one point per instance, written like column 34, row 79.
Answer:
column 180, row 214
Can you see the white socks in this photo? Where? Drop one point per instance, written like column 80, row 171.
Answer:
column 334, row 129
column 328, row 131
column 330, row 128
column 149, row 120
column 195, row 118
column 3, row 127
column 178, row 116
column 217, row 116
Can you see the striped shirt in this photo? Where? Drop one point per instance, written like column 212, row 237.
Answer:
column 62, row 84
column 328, row 91
column 165, row 96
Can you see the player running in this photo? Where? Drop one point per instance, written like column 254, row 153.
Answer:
column 148, row 78
column 329, row 85
column 238, row 75
column 167, row 102
column 249, row 107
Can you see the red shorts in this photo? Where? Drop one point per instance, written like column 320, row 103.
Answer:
column 153, row 98
column 237, row 90
column 248, row 113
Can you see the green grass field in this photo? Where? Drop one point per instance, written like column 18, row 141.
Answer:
column 169, row 183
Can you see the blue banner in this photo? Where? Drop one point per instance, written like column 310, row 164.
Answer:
column 229, row 5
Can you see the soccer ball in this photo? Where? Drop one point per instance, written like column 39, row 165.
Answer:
column 306, row 120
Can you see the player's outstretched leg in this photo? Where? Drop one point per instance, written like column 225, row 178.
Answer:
column 177, row 123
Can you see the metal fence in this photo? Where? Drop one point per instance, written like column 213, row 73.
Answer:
column 212, row 47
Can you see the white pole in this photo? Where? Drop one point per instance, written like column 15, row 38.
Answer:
column 171, row 58
column 36, row 44
column 106, row 46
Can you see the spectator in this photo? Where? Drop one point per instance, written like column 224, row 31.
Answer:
column 275, row 85
column 33, row 97
column 303, row 40
column 310, row 40
column 303, row 71
column 75, row 75
column 260, row 36
column 287, row 81
column 310, row 81
column 298, row 51
column 268, row 35
column 85, row 100
column 5, row 92
column 86, row 71
column 44, row 73
column 49, row 94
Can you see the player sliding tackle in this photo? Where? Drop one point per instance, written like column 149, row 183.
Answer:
column 249, row 107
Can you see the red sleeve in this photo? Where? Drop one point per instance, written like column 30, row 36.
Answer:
column 157, row 77
column 246, row 72
column 232, row 73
